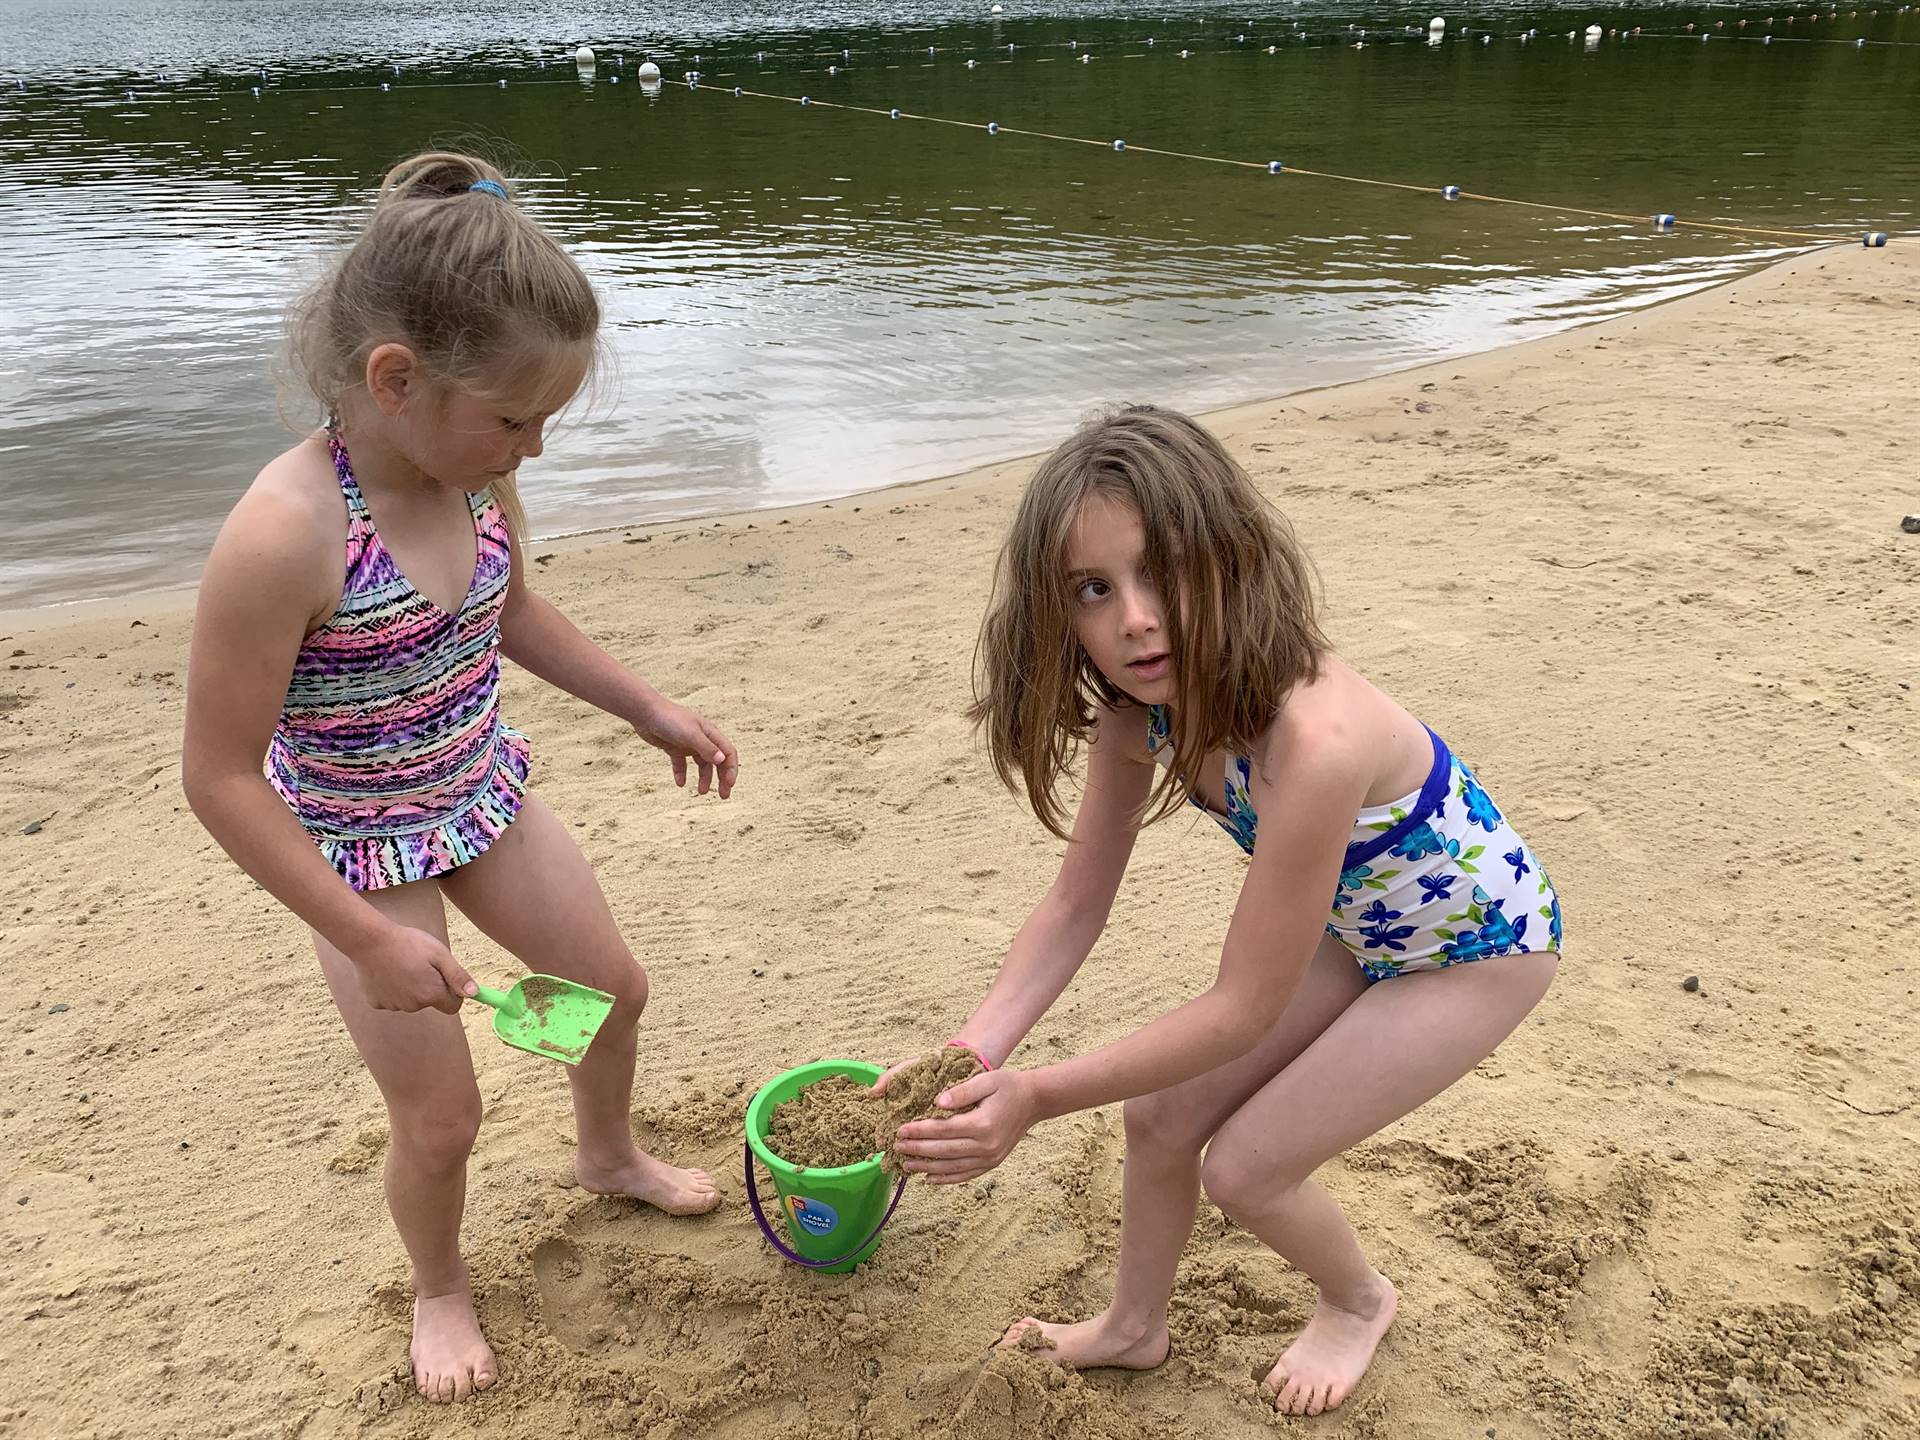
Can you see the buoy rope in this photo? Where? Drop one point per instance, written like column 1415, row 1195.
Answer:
column 1287, row 169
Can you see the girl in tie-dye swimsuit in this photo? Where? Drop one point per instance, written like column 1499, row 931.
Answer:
column 344, row 737
column 390, row 747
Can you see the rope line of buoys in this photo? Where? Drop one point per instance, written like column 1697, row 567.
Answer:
column 1661, row 221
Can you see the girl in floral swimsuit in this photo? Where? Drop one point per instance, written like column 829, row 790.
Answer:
column 1154, row 607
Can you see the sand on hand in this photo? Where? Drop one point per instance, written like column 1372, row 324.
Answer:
column 838, row 1121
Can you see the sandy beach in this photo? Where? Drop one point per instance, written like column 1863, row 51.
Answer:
column 1647, row 577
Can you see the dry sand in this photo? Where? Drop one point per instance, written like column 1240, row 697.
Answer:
column 1648, row 577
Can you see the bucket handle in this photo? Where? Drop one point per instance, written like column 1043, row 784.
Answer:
column 760, row 1217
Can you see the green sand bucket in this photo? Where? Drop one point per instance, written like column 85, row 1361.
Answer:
column 834, row 1215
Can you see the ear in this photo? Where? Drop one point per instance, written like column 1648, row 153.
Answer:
column 393, row 377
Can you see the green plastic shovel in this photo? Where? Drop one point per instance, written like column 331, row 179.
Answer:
column 547, row 1016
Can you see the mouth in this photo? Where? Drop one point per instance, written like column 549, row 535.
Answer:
column 1150, row 667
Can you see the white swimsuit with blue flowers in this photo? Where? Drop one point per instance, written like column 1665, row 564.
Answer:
column 1434, row 879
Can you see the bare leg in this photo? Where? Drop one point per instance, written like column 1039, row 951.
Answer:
column 1396, row 1047
column 1161, row 1187
column 421, row 1064
column 534, row 893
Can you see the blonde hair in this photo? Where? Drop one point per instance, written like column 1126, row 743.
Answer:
column 465, row 279
column 1238, row 592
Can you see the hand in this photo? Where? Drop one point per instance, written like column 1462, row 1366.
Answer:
column 686, row 735
column 961, row 1147
column 409, row 970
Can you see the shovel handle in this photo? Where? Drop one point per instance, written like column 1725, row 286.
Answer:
column 498, row 999
column 760, row 1218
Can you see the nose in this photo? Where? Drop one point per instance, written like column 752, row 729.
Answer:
column 1140, row 612
column 533, row 443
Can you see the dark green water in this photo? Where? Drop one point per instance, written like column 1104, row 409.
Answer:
column 808, row 301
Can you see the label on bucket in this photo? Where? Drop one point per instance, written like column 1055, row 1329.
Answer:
column 816, row 1217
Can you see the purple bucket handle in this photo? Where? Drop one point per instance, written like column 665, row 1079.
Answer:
column 760, row 1218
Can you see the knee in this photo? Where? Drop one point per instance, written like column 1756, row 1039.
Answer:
column 1240, row 1180
column 440, row 1138
column 627, row 983
column 1158, row 1124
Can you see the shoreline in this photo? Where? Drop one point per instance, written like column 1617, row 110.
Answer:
column 29, row 619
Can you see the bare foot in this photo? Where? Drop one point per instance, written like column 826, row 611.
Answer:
column 450, row 1356
column 1090, row 1344
column 663, row 1186
column 1321, row 1367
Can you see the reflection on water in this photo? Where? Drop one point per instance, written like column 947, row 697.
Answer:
column 807, row 301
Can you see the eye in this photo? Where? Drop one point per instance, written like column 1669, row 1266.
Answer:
column 1089, row 590
column 510, row 424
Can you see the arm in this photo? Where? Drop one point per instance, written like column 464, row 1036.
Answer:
column 263, row 583
column 1306, row 803
column 535, row 635
column 1054, row 942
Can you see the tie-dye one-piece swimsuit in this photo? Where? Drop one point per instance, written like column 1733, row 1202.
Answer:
column 390, row 748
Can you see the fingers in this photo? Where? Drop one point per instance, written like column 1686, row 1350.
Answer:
column 726, row 758
column 938, row 1149
column 951, row 1172
column 680, row 770
column 971, row 1091
column 886, row 1076
column 706, row 777
column 956, row 1127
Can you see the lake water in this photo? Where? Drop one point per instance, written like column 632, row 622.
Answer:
column 807, row 301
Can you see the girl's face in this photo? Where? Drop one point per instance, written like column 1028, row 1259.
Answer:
column 472, row 440
column 1118, row 615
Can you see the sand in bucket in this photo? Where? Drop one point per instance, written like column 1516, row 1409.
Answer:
column 827, row 1141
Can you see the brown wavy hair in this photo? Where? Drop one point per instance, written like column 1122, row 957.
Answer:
column 469, row 282
column 1238, row 591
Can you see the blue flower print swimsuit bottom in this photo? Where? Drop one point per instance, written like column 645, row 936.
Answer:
column 1434, row 879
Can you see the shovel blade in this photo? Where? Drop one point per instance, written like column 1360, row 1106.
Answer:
column 553, row 1018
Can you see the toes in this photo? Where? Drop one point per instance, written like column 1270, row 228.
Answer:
column 1014, row 1331
column 1316, row 1400
column 462, row 1382
column 484, row 1376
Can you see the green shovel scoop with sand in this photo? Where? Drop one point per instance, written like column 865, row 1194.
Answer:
column 547, row 1016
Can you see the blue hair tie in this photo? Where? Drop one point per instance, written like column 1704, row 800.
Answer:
column 492, row 187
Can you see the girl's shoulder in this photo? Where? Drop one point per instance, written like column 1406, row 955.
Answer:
column 1341, row 722
column 288, row 528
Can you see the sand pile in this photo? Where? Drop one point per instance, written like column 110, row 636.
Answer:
column 840, row 1121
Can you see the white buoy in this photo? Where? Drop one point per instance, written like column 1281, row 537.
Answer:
column 1449, row 192
column 648, row 70
column 583, row 56
column 1593, row 32
column 1118, row 144
column 1274, row 167
column 993, row 127
column 999, row 9
column 1085, row 58
column 1437, row 23
column 972, row 63
column 385, row 86
column 1663, row 222
column 835, row 69
column 1874, row 239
